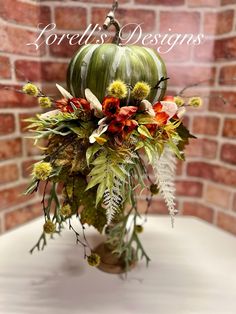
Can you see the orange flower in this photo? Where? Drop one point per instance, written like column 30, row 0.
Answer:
column 126, row 112
column 120, row 124
column 129, row 126
column 65, row 105
column 110, row 106
column 161, row 117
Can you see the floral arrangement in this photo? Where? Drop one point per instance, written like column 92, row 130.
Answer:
column 98, row 154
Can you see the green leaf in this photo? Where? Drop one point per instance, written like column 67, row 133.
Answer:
column 32, row 187
column 91, row 151
column 98, row 170
column 175, row 149
column 118, row 172
column 149, row 153
column 144, row 131
column 109, row 180
column 147, row 120
column 139, row 145
column 100, row 191
column 95, row 180
column 101, row 159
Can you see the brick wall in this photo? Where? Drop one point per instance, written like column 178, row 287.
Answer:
column 206, row 182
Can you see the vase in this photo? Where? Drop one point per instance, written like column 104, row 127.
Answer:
column 112, row 262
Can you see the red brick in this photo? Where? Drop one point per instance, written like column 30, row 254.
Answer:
column 27, row 167
column 31, row 149
column 205, row 51
column 7, row 123
column 229, row 128
column 189, row 188
column 216, row 50
column 8, row 173
column 203, row 3
column 228, row 153
column 226, row 222
column 179, row 167
column 187, row 75
column 51, row 89
column 102, row 1
column 224, row 102
column 71, row 18
column 22, row 215
column 211, row 172
column 64, row 49
column 198, row 210
column 209, row 148
column 228, row 75
column 10, row 98
column 10, row 35
column 194, row 149
column 125, row 16
column 5, row 67
column 158, row 206
column 41, row 71
column 24, row 13
column 225, row 2
column 179, row 53
column 205, row 125
column 218, row 22
column 202, row 148
column 177, row 22
column 10, row 148
column 13, row 196
column 218, row 196
column 161, row 2
column 234, row 203
column 23, row 124
column 225, row 49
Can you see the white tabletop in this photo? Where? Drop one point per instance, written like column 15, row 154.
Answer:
column 192, row 271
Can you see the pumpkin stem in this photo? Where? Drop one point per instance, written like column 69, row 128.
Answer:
column 110, row 20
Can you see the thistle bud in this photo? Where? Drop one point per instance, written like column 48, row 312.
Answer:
column 30, row 89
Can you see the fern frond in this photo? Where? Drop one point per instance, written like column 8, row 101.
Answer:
column 164, row 170
column 113, row 199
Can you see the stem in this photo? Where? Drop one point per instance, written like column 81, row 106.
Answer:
column 110, row 20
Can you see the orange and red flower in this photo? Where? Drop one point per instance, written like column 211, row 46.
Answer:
column 65, row 105
column 120, row 123
column 160, row 118
column 110, row 106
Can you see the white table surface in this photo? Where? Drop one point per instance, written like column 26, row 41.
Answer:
column 192, row 272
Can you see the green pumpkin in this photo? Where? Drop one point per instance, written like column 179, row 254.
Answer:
column 96, row 66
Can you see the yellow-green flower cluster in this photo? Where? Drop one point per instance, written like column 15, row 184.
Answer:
column 49, row 227
column 179, row 101
column 42, row 170
column 44, row 102
column 141, row 90
column 195, row 102
column 65, row 210
column 93, row 259
column 139, row 229
column 117, row 89
column 30, row 89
